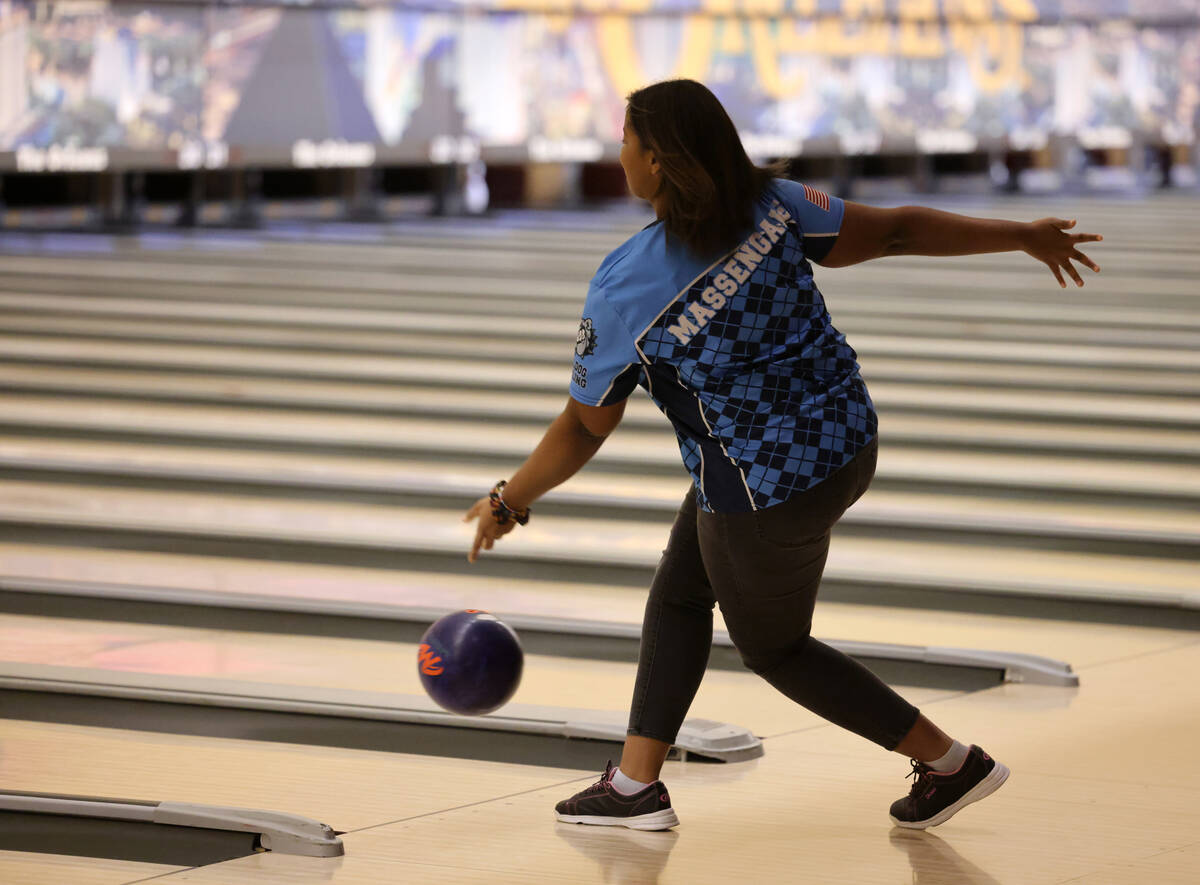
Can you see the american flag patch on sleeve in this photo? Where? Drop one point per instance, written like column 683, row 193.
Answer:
column 816, row 197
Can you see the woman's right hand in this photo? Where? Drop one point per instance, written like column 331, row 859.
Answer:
column 1047, row 241
column 487, row 530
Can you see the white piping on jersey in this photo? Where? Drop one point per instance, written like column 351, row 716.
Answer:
column 704, row 493
column 637, row 341
column 834, row 234
column 724, row 451
column 699, row 406
column 608, row 389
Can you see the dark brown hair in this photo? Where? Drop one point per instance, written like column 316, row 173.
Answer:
column 709, row 182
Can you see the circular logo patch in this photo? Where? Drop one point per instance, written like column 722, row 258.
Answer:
column 585, row 341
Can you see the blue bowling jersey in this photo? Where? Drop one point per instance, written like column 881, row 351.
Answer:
column 740, row 353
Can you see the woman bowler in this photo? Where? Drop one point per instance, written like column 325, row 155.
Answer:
column 713, row 310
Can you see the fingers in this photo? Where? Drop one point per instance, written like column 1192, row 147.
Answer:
column 1071, row 271
column 479, row 511
column 486, row 535
column 1051, row 252
column 487, row 530
column 484, row 532
column 484, row 538
column 1084, row 260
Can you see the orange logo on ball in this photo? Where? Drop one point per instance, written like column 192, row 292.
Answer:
column 429, row 661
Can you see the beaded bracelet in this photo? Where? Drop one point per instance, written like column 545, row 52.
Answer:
column 501, row 512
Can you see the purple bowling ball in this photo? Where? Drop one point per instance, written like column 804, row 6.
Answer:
column 470, row 662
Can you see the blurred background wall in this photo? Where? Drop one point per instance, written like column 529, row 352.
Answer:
column 115, row 105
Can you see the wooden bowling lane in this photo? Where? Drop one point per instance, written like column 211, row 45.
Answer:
column 78, row 317
column 965, row 279
column 1175, row 866
column 1100, row 790
column 55, row 365
column 350, row 329
column 1116, row 815
column 1080, row 798
column 1173, row 211
column 128, row 571
column 1027, row 287
column 73, row 327
column 1119, row 256
column 401, row 254
column 347, row 789
column 1079, row 807
column 1148, row 406
column 367, row 529
column 644, row 437
column 379, row 315
column 307, row 582
column 1107, row 519
column 337, row 415
column 1013, row 721
column 232, row 278
column 856, row 307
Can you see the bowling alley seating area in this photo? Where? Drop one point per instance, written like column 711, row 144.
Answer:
column 232, row 474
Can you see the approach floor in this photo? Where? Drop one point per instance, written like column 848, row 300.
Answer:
column 303, row 413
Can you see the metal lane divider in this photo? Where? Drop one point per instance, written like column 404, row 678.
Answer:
column 537, row 735
column 179, row 833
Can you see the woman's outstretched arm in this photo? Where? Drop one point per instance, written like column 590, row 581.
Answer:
column 569, row 443
column 868, row 232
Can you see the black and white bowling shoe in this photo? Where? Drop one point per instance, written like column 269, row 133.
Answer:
column 603, row 805
column 937, row 796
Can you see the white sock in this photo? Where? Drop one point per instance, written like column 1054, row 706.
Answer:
column 623, row 783
column 953, row 760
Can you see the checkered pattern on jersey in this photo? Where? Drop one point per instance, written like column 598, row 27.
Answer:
column 777, row 384
column 806, row 452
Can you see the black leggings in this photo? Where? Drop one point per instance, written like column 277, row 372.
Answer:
column 764, row 568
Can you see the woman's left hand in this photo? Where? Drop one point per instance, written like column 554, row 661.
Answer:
column 1047, row 240
column 487, row 530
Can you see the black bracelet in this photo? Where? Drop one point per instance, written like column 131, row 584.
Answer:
column 501, row 512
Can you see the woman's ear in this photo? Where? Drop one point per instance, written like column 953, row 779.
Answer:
column 660, row 180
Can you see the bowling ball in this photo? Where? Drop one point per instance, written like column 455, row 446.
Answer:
column 470, row 662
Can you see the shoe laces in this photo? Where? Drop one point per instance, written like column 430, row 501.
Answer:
column 600, row 785
column 922, row 773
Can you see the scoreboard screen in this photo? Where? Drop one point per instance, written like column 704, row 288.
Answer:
column 89, row 84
